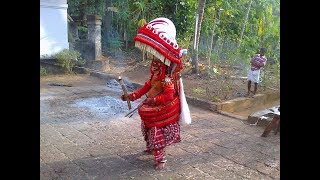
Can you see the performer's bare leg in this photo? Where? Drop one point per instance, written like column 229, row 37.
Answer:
column 159, row 155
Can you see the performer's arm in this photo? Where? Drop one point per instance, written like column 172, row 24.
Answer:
column 140, row 92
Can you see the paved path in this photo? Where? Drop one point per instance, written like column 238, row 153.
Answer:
column 82, row 139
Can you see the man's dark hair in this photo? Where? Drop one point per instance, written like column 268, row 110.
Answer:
column 263, row 50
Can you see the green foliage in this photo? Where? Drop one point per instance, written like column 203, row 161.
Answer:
column 270, row 76
column 82, row 32
column 97, row 7
column 215, row 99
column 68, row 59
column 198, row 90
column 43, row 71
column 181, row 13
column 223, row 18
column 114, row 44
column 226, row 19
column 87, row 6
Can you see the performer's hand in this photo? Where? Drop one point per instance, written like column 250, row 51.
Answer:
column 129, row 96
column 149, row 101
column 124, row 98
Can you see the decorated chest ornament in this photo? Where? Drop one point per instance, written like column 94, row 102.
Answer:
column 167, row 81
column 158, row 37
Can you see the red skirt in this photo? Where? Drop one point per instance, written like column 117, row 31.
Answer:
column 159, row 138
column 161, row 115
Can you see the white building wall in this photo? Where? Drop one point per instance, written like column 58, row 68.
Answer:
column 53, row 26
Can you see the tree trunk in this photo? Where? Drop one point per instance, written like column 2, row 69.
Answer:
column 210, row 49
column 211, row 42
column 200, row 12
column 107, row 20
column 125, row 39
column 195, row 69
column 244, row 23
column 194, row 63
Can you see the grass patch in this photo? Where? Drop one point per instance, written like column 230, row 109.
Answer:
column 43, row 71
column 199, row 91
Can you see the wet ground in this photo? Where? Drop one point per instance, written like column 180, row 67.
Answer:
column 84, row 135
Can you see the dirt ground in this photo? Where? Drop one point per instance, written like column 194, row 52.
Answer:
column 217, row 88
column 65, row 79
column 201, row 86
column 214, row 89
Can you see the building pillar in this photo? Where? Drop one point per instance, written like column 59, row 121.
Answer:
column 94, row 34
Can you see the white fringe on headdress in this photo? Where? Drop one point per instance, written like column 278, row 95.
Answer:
column 185, row 117
column 152, row 51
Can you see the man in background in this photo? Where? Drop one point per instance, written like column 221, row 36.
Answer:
column 257, row 62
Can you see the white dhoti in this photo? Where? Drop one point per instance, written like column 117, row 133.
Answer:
column 254, row 76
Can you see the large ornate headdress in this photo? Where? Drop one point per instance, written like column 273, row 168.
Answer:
column 158, row 37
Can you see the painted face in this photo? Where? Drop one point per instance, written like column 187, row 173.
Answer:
column 157, row 67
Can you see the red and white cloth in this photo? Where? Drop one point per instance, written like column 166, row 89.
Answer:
column 158, row 138
column 257, row 62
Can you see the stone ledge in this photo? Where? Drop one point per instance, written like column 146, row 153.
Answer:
column 244, row 103
column 204, row 104
column 232, row 115
column 52, row 66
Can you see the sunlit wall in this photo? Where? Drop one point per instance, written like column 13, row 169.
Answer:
column 53, row 26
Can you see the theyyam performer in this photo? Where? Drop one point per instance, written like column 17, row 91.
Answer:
column 165, row 108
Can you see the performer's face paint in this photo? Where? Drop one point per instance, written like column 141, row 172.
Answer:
column 156, row 66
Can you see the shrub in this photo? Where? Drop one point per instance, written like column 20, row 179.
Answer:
column 43, row 71
column 215, row 99
column 270, row 76
column 198, row 90
column 68, row 59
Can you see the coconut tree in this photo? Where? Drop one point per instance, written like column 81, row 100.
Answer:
column 244, row 22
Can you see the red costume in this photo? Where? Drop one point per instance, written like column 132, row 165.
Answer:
column 160, row 111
